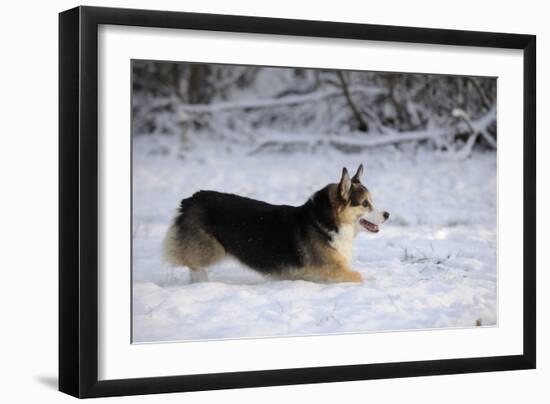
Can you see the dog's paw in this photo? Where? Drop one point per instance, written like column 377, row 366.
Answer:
column 353, row 276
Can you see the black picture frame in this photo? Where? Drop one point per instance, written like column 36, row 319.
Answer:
column 78, row 201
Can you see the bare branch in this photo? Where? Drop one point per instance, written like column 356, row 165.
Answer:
column 363, row 127
column 484, row 100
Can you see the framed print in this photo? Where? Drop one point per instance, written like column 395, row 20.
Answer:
column 251, row 201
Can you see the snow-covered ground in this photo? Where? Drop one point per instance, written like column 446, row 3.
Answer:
column 433, row 265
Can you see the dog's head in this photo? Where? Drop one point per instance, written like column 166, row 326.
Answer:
column 354, row 204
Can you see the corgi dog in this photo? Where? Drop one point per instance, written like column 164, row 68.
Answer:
column 311, row 242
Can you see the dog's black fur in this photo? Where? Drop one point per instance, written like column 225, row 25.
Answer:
column 265, row 237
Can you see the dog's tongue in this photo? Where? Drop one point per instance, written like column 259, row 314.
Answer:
column 369, row 226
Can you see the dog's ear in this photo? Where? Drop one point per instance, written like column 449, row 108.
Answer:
column 357, row 177
column 344, row 186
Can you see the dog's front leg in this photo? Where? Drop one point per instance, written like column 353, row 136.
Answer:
column 330, row 274
column 349, row 275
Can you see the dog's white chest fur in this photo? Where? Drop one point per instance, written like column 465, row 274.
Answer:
column 342, row 241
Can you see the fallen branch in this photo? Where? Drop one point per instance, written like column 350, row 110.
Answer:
column 271, row 103
column 360, row 140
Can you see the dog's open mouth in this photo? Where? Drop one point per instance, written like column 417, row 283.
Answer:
column 373, row 228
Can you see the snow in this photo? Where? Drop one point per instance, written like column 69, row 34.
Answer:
column 432, row 266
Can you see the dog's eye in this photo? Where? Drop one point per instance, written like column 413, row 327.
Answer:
column 366, row 203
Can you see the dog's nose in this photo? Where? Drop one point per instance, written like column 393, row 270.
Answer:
column 386, row 215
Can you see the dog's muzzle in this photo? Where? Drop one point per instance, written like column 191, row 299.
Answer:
column 373, row 227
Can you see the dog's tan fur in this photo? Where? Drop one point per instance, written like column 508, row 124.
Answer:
column 331, row 264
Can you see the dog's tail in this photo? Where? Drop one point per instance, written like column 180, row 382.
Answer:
column 170, row 246
column 172, row 242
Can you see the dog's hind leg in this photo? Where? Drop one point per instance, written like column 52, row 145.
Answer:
column 194, row 248
column 201, row 253
column 198, row 275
